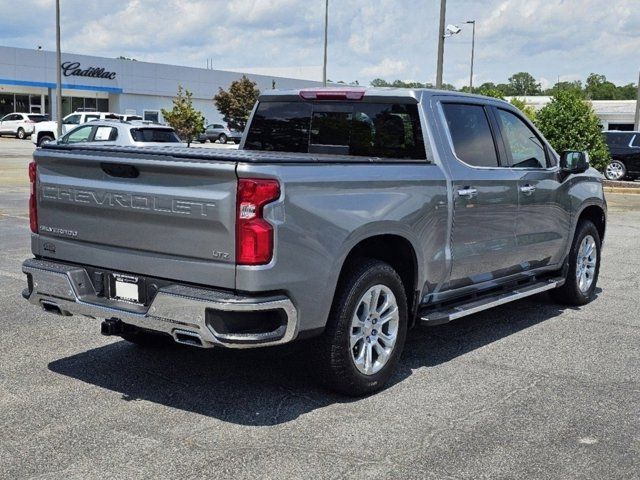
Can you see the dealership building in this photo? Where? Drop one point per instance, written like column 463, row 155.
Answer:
column 28, row 84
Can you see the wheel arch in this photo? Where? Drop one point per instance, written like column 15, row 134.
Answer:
column 398, row 252
column 595, row 214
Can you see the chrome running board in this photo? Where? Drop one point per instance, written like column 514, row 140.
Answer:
column 447, row 314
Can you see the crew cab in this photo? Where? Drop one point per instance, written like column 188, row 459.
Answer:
column 45, row 132
column 346, row 218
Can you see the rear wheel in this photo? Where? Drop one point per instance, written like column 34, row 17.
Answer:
column 21, row 134
column 222, row 138
column 584, row 267
column 616, row 170
column 366, row 330
column 44, row 139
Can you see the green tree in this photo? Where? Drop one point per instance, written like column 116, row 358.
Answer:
column 523, row 83
column 569, row 123
column 489, row 92
column 528, row 110
column 237, row 103
column 186, row 120
column 576, row 86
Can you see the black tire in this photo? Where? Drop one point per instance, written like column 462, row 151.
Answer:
column 21, row 134
column 236, row 141
column 334, row 363
column 147, row 339
column 222, row 138
column 570, row 293
column 45, row 139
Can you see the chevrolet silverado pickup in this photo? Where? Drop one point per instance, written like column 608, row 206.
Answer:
column 346, row 218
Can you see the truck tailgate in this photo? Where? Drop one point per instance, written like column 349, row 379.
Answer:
column 151, row 214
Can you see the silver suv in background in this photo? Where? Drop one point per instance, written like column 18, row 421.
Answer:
column 117, row 133
column 20, row 125
column 219, row 132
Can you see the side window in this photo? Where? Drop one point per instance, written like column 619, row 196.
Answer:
column 105, row 134
column 218, row 126
column 636, row 141
column 80, row 134
column 5, row 118
column 526, row 149
column 471, row 135
column 72, row 120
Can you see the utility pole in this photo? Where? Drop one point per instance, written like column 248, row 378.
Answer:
column 637, row 119
column 58, row 72
column 473, row 47
column 443, row 13
column 326, row 31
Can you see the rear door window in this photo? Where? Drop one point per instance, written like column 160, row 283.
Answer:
column 384, row 130
column 105, row 134
column 471, row 135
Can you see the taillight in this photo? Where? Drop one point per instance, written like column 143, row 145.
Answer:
column 254, row 235
column 33, row 204
column 332, row 94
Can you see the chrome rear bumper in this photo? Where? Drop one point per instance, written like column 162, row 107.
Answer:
column 177, row 310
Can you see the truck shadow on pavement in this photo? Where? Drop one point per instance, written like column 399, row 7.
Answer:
column 273, row 386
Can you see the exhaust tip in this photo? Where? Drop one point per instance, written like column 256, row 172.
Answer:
column 187, row 338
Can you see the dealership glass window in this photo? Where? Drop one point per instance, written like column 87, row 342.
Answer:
column 102, row 104
column 66, row 106
column 6, row 103
column 22, row 103
column 152, row 116
column 77, row 103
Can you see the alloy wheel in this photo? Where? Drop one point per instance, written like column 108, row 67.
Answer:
column 374, row 329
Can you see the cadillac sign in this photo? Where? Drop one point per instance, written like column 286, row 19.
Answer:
column 73, row 69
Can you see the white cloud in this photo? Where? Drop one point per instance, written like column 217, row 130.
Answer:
column 386, row 38
column 386, row 68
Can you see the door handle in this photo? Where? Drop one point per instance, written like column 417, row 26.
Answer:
column 527, row 189
column 467, row 192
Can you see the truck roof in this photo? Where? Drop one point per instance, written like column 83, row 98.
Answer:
column 369, row 93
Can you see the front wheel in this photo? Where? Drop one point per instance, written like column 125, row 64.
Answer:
column 21, row 134
column 366, row 330
column 616, row 170
column 584, row 266
column 222, row 138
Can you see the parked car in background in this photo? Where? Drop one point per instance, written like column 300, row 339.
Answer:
column 48, row 131
column 219, row 132
column 119, row 133
column 20, row 125
column 625, row 155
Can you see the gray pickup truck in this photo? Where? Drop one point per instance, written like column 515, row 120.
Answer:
column 346, row 218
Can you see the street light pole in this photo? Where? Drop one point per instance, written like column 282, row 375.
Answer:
column 326, row 28
column 443, row 12
column 473, row 47
column 636, row 122
column 58, row 72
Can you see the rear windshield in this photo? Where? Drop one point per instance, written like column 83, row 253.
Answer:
column 385, row 130
column 38, row 118
column 160, row 135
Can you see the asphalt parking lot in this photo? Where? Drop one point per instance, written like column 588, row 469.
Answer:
column 528, row 390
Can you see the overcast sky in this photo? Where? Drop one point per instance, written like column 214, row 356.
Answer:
column 367, row 39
